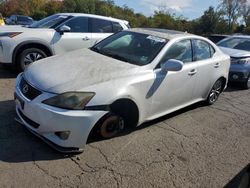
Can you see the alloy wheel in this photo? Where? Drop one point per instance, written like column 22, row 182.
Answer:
column 215, row 92
column 32, row 57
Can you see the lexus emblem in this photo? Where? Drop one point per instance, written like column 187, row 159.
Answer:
column 25, row 89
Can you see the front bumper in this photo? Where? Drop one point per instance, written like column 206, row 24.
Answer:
column 44, row 121
column 238, row 76
column 6, row 50
column 239, row 73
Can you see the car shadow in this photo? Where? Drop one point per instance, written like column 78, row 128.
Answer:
column 95, row 138
column 234, row 87
column 7, row 72
column 241, row 180
column 17, row 144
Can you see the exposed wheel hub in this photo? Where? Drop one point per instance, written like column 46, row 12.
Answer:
column 111, row 126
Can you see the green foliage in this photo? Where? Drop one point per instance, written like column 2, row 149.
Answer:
column 212, row 21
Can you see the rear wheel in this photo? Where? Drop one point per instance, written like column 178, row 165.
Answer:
column 29, row 56
column 215, row 92
column 111, row 126
column 247, row 83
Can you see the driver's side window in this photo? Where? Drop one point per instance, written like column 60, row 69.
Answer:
column 181, row 50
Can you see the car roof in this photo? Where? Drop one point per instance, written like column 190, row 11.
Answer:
column 240, row 36
column 163, row 33
column 94, row 16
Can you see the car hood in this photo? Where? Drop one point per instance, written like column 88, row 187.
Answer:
column 234, row 53
column 19, row 28
column 12, row 28
column 75, row 70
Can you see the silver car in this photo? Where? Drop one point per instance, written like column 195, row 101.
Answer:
column 125, row 80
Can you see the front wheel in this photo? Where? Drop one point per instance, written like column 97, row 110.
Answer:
column 215, row 92
column 29, row 56
column 247, row 83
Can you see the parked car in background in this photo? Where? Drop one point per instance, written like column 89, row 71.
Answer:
column 55, row 34
column 238, row 48
column 19, row 20
column 1, row 20
column 216, row 37
column 126, row 79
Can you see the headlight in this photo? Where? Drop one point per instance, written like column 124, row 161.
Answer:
column 10, row 34
column 240, row 61
column 70, row 100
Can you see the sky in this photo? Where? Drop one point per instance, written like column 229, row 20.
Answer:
column 190, row 9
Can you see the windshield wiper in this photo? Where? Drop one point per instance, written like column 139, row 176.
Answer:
column 116, row 56
column 110, row 54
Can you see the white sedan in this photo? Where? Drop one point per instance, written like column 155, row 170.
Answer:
column 125, row 80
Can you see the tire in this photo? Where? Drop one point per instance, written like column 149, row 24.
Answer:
column 246, row 84
column 29, row 56
column 111, row 126
column 215, row 92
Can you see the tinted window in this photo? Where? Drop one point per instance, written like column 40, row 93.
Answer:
column 202, row 50
column 236, row 43
column 23, row 19
column 78, row 25
column 101, row 26
column 13, row 17
column 116, row 27
column 181, row 50
column 135, row 48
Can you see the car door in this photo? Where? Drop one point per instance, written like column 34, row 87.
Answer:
column 173, row 90
column 100, row 29
column 208, row 67
column 78, row 37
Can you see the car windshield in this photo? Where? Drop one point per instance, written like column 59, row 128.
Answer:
column 236, row 43
column 131, row 47
column 50, row 22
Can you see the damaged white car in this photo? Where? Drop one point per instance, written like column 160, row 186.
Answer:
column 129, row 78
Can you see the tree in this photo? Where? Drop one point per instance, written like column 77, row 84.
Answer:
column 245, row 11
column 232, row 10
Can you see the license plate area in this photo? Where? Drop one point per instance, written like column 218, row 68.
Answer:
column 20, row 102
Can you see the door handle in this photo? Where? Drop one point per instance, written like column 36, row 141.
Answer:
column 192, row 72
column 85, row 38
column 216, row 65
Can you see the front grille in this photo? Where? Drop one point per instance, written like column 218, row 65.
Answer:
column 27, row 120
column 28, row 91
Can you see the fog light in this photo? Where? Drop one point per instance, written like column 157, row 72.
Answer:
column 64, row 135
column 235, row 76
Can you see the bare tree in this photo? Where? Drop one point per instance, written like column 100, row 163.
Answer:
column 245, row 12
column 232, row 10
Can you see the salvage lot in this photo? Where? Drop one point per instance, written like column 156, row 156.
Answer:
column 200, row 146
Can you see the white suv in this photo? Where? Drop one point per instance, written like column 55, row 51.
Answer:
column 55, row 34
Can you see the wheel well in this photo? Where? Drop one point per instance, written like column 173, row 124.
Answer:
column 18, row 50
column 127, row 109
column 224, row 80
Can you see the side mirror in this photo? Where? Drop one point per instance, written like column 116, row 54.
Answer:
column 64, row 29
column 172, row 65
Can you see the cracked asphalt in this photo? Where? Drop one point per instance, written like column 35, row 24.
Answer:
column 199, row 146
